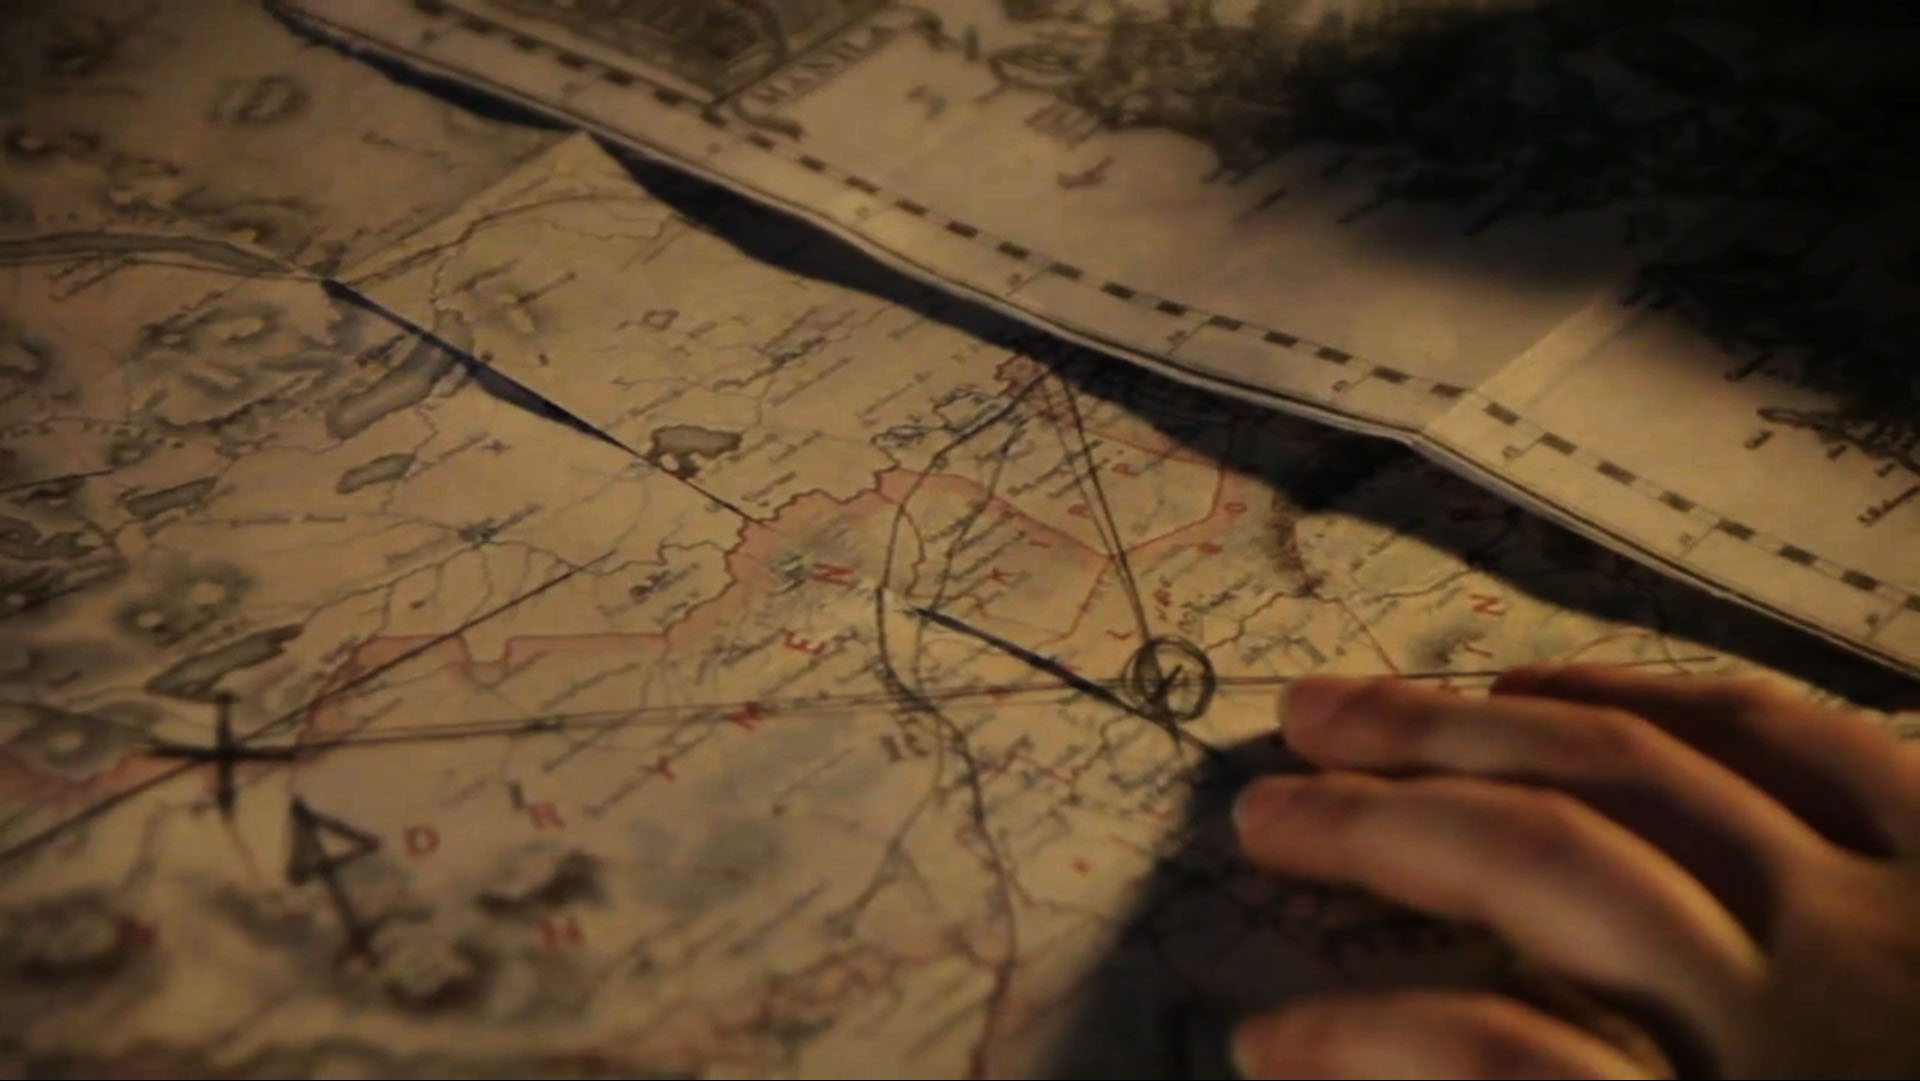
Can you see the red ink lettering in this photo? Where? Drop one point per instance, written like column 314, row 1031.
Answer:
column 1487, row 604
column 1125, row 470
column 663, row 767
column 544, row 815
column 1079, row 510
column 1234, row 507
column 558, row 931
column 1119, row 636
column 1209, row 548
column 1163, row 597
column 999, row 576
column 137, row 934
column 833, row 574
column 803, row 645
column 747, row 715
column 1469, row 647
column 420, row 840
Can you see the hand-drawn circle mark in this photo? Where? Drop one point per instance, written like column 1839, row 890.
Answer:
column 269, row 99
column 1037, row 66
column 1170, row 679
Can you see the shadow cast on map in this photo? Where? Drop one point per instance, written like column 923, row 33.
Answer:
column 1482, row 110
column 1368, row 478
column 1524, row 125
column 1205, row 940
column 1526, row 122
column 1443, row 111
column 1208, row 940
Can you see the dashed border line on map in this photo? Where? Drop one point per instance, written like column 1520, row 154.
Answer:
column 1142, row 299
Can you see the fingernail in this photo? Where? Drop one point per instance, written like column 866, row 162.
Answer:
column 1312, row 701
column 1263, row 801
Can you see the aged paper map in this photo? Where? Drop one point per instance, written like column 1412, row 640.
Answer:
column 490, row 608
column 1506, row 233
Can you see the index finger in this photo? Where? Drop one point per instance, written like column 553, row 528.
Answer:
column 1854, row 783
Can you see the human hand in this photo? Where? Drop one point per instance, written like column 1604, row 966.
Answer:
column 1737, row 869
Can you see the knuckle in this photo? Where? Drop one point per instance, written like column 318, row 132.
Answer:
column 1332, row 802
column 1396, row 716
column 1379, row 697
column 1420, row 727
column 1323, row 804
column 1538, row 828
column 1616, row 737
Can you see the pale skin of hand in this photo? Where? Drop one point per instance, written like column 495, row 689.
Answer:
column 1738, row 864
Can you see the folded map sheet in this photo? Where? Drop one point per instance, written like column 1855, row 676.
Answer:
column 1616, row 261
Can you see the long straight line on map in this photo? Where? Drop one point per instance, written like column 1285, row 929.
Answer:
column 1147, row 689
column 721, row 803
column 251, row 744
column 1160, row 184
column 503, row 385
column 675, row 715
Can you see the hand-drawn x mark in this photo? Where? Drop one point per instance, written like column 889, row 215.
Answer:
column 225, row 754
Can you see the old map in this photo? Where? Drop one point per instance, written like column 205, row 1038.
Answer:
column 1510, row 234
column 496, row 609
